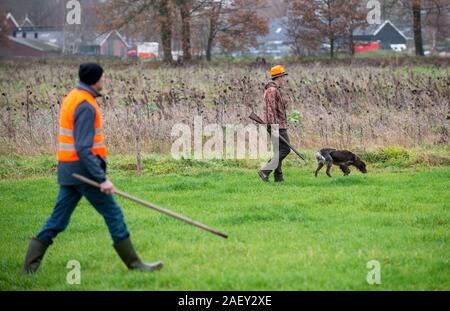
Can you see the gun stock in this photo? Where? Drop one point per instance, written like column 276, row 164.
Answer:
column 255, row 118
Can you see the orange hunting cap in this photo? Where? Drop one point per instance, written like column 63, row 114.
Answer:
column 278, row 71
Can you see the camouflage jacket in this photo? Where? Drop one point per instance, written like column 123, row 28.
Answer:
column 274, row 107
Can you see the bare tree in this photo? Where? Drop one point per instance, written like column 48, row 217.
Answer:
column 235, row 24
column 313, row 23
column 417, row 26
column 184, row 7
column 165, row 22
column 355, row 16
column 214, row 11
column 436, row 22
column 187, row 11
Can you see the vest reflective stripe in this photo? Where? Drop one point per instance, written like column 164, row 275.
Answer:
column 66, row 132
column 98, row 145
column 63, row 131
column 67, row 151
column 66, row 146
column 72, row 146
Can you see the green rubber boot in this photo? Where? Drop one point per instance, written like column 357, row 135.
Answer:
column 35, row 253
column 126, row 252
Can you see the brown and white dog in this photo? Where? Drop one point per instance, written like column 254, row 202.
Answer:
column 341, row 158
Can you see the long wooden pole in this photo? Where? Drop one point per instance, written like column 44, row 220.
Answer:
column 155, row 207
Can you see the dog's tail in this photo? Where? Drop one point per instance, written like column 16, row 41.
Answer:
column 320, row 158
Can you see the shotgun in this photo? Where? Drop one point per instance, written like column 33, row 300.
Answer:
column 258, row 120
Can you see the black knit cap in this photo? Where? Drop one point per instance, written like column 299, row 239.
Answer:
column 90, row 73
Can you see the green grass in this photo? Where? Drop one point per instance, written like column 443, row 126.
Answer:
column 13, row 166
column 305, row 234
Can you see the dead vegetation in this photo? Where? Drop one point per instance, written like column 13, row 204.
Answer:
column 342, row 106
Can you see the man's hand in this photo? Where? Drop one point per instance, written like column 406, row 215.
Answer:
column 107, row 187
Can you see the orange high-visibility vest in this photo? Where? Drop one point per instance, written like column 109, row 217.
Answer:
column 66, row 149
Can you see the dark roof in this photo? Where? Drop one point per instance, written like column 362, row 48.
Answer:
column 36, row 44
column 373, row 30
column 366, row 31
column 27, row 23
column 10, row 17
column 100, row 40
column 28, row 26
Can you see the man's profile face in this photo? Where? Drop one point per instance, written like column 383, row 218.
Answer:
column 280, row 80
column 99, row 85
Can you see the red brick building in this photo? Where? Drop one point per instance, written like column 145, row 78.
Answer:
column 109, row 44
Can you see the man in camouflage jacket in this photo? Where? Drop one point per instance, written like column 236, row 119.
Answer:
column 274, row 113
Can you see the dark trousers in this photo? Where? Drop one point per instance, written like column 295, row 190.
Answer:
column 67, row 200
column 284, row 151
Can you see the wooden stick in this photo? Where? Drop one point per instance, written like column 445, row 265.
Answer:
column 155, row 207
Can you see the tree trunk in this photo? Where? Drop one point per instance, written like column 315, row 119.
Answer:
column 434, row 41
column 417, row 22
column 186, row 31
column 210, row 39
column 209, row 50
column 352, row 44
column 166, row 30
column 331, row 48
column 213, row 28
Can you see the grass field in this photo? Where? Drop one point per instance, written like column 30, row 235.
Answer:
column 307, row 234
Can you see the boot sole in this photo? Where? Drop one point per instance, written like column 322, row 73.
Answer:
column 155, row 267
column 265, row 179
column 159, row 266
